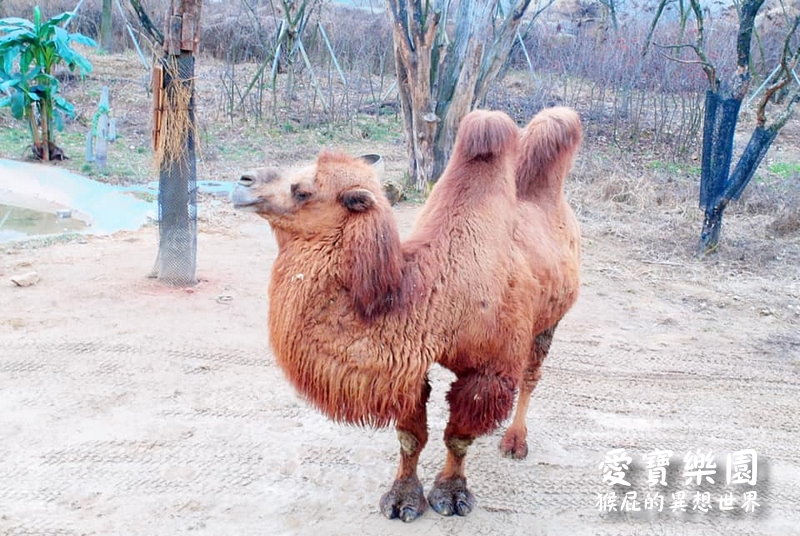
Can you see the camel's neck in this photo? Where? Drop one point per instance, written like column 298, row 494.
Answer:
column 357, row 363
column 363, row 260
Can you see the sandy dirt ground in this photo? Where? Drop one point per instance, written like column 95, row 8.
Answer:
column 130, row 408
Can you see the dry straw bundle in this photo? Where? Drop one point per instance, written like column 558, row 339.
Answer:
column 172, row 113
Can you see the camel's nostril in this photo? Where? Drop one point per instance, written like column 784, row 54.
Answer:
column 247, row 180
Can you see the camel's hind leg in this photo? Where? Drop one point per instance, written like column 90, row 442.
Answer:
column 406, row 499
column 478, row 401
column 515, row 441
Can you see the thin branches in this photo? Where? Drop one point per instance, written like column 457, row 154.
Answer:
column 149, row 28
column 788, row 75
column 698, row 46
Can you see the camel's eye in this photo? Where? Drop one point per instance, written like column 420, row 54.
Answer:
column 299, row 194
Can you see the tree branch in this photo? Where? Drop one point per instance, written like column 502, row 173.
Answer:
column 399, row 12
column 747, row 19
column 538, row 11
column 147, row 24
column 708, row 67
column 788, row 63
column 686, row 62
column 656, row 18
column 521, row 8
column 698, row 47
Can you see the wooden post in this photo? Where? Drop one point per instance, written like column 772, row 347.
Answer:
column 101, row 132
column 101, row 136
column 158, row 102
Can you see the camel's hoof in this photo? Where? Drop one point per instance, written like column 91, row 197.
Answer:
column 451, row 496
column 514, row 445
column 405, row 500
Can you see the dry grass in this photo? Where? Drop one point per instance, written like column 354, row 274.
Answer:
column 175, row 124
column 787, row 223
column 621, row 197
column 641, row 199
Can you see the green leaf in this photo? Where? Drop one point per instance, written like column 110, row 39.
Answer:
column 83, row 64
column 18, row 105
column 25, row 60
column 83, row 40
column 7, row 64
column 58, row 119
column 15, row 22
column 58, row 19
column 6, row 86
column 36, row 71
column 61, row 42
column 64, row 105
column 17, row 37
column 29, row 51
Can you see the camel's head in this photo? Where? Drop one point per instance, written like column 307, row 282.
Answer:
column 310, row 199
column 339, row 200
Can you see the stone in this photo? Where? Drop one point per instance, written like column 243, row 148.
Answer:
column 27, row 279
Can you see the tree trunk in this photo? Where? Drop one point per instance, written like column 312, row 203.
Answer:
column 746, row 167
column 177, row 201
column 717, row 186
column 442, row 77
column 45, row 119
column 106, row 30
column 419, row 119
column 719, row 127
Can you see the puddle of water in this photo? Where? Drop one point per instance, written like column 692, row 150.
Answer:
column 218, row 188
column 30, row 195
column 17, row 223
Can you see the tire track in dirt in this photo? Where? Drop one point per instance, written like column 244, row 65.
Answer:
column 119, row 431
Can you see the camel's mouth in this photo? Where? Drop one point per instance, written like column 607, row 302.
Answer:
column 242, row 198
column 240, row 206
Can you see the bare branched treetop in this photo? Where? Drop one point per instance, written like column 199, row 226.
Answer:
column 447, row 54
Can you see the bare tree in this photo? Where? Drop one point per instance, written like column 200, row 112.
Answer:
column 152, row 33
column 718, row 184
column 106, row 31
column 174, row 143
column 611, row 9
column 445, row 65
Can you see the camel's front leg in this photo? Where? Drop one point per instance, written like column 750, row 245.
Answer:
column 478, row 403
column 406, row 499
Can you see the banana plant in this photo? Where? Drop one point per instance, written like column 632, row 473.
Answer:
column 29, row 53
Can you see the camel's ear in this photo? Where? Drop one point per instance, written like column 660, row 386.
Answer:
column 357, row 200
column 373, row 159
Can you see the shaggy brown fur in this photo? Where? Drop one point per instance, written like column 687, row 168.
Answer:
column 357, row 318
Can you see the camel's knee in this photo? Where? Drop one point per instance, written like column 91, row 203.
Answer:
column 479, row 403
column 542, row 343
column 530, row 377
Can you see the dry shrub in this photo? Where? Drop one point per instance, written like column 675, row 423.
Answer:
column 769, row 196
column 360, row 39
column 622, row 189
column 234, row 32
